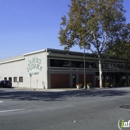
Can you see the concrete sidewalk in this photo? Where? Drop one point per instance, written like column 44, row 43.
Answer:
column 47, row 90
column 69, row 89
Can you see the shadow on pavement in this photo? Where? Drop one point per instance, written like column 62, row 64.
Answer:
column 58, row 96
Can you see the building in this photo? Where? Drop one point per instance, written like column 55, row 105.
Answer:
column 51, row 68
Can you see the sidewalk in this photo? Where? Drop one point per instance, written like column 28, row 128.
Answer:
column 69, row 89
column 47, row 90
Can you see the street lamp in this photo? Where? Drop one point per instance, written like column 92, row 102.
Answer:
column 84, row 70
column 85, row 47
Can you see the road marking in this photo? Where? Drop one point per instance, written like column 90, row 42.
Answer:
column 12, row 110
column 1, row 101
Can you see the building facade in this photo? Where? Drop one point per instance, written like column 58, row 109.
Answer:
column 51, row 68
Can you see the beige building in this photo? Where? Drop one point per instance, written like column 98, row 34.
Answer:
column 51, row 68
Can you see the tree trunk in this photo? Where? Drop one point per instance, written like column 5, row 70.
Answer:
column 100, row 72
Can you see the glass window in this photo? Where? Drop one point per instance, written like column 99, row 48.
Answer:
column 20, row 79
column 10, row 79
column 73, row 64
column 15, row 79
column 5, row 78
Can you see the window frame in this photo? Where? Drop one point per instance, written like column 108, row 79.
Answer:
column 15, row 79
column 20, row 79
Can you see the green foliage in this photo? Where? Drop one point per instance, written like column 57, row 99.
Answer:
column 92, row 22
column 107, row 84
column 89, row 84
column 121, row 48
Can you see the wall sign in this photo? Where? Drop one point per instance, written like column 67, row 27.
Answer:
column 34, row 64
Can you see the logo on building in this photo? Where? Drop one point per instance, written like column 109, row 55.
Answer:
column 122, row 124
column 34, row 64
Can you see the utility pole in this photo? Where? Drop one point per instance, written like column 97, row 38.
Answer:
column 84, row 70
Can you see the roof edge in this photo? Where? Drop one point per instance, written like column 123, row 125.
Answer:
column 34, row 52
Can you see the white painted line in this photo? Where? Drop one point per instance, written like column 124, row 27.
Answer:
column 1, row 101
column 11, row 110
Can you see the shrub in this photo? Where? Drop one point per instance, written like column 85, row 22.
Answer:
column 107, row 84
column 89, row 84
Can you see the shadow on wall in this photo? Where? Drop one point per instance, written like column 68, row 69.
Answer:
column 58, row 96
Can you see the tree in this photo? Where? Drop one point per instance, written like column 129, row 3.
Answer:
column 94, row 24
column 121, row 48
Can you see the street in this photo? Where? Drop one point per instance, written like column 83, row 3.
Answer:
column 95, row 109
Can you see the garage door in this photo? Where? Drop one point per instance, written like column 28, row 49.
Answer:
column 60, row 80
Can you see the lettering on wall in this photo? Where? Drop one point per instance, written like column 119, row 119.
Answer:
column 34, row 64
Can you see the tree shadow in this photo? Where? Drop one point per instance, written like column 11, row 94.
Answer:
column 2, row 90
column 58, row 96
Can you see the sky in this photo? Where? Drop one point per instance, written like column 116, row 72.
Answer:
column 32, row 25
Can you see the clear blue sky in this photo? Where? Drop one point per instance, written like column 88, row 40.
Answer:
column 31, row 25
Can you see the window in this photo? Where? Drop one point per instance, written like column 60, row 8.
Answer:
column 15, row 79
column 5, row 78
column 20, row 79
column 10, row 79
column 66, row 63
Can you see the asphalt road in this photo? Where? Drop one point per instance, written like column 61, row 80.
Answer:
column 64, row 110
